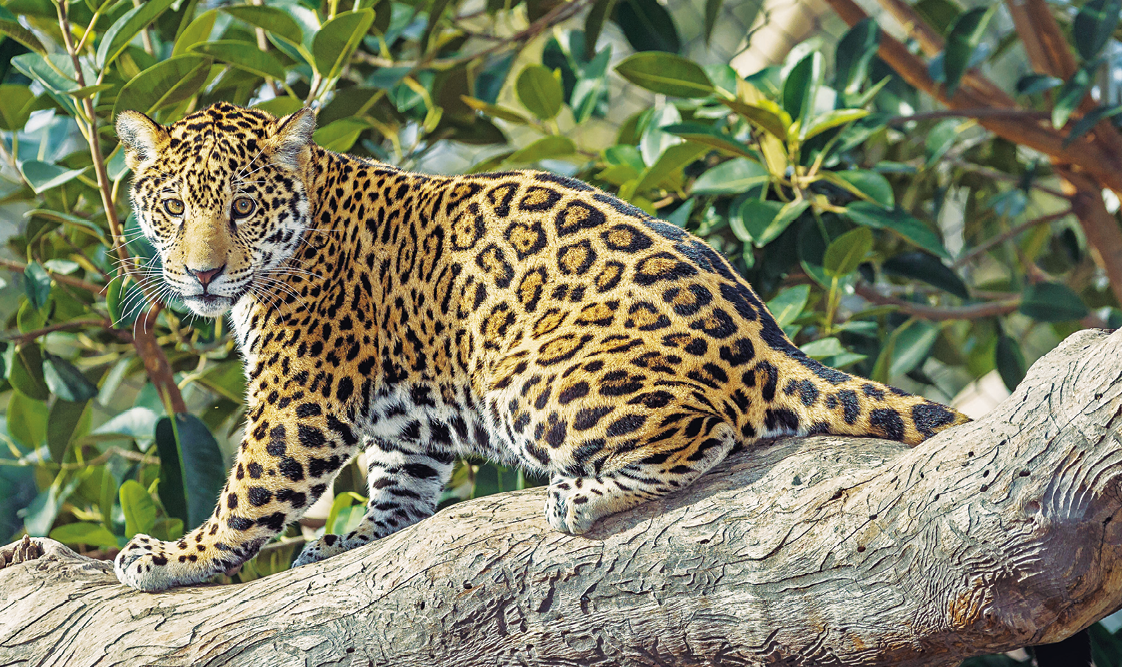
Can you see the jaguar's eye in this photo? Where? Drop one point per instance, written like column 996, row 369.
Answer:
column 243, row 206
column 173, row 207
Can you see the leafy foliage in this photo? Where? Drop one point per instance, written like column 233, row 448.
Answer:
column 816, row 177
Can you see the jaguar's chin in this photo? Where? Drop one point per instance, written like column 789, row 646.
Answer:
column 209, row 305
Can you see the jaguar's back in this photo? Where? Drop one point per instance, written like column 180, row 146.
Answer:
column 522, row 316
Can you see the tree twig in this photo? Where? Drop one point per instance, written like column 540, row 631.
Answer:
column 938, row 313
column 1008, row 234
column 60, row 326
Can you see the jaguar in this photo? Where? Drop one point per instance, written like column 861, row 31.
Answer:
column 521, row 316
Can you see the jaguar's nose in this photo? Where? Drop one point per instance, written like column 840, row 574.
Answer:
column 205, row 276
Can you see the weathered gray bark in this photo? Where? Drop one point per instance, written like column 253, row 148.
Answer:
column 815, row 551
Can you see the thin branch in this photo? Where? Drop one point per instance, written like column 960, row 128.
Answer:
column 990, row 172
column 558, row 14
column 1005, row 236
column 939, row 313
column 59, row 277
column 984, row 112
column 61, row 326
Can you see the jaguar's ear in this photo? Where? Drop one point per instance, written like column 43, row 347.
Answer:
column 293, row 138
column 141, row 136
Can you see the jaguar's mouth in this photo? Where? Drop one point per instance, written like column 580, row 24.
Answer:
column 209, row 305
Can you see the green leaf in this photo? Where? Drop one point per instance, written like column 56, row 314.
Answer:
column 1089, row 120
column 1030, row 84
column 138, row 423
column 495, row 111
column 845, row 253
column 864, row 183
column 10, row 26
column 118, row 36
column 764, row 221
column 912, row 346
column 243, row 55
column 341, row 519
column 801, row 86
column 823, row 347
column 899, row 221
column 15, row 106
column 81, row 224
column 1010, row 361
column 273, row 19
column 765, row 114
column 189, row 452
column 196, row 31
column 594, row 24
column 26, row 372
column 830, row 120
column 340, row 135
column 36, row 284
column 546, row 148
column 49, row 71
column 62, row 423
column 66, row 381
column 27, row 420
column 929, row 269
column 732, row 177
column 962, row 40
column 939, row 14
column 44, row 176
column 854, row 53
column 90, row 534
column 164, row 84
column 280, row 106
column 1094, row 26
column 138, row 507
column 539, row 91
column 671, row 161
column 1052, row 302
column 336, row 40
column 647, row 25
column 227, row 379
column 709, row 136
column 788, row 304
column 940, row 139
column 666, row 73
column 712, row 11
column 1072, row 93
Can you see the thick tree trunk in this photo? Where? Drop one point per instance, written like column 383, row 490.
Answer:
column 814, row 551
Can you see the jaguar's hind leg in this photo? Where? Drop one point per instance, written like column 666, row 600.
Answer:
column 404, row 481
column 574, row 504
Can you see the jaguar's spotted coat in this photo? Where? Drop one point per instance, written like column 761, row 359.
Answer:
column 522, row 316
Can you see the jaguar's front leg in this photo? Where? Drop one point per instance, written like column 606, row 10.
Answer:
column 286, row 460
column 405, row 480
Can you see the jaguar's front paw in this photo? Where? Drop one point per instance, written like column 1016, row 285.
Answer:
column 321, row 549
column 145, row 564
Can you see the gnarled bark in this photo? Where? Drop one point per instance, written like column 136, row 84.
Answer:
column 997, row 534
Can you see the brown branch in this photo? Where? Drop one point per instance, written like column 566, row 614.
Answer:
column 1049, row 53
column 990, row 172
column 938, row 313
column 970, row 113
column 64, row 279
column 1006, row 235
column 61, row 326
column 155, row 361
column 1099, row 226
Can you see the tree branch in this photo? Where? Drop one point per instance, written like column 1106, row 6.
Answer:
column 997, row 534
column 936, row 313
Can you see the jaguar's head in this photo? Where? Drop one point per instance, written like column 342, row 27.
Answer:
column 222, row 195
